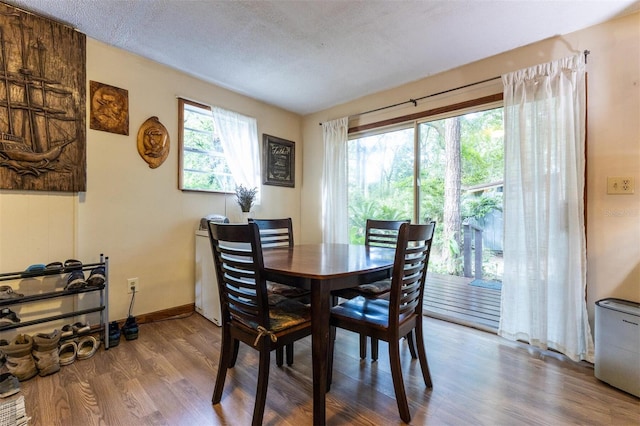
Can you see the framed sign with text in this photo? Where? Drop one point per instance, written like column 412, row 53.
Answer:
column 279, row 160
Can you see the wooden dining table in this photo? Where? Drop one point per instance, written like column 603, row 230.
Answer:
column 322, row 268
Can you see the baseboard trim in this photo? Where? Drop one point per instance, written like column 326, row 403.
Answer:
column 164, row 314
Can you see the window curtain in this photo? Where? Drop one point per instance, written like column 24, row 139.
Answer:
column 544, row 281
column 334, row 182
column 239, row 138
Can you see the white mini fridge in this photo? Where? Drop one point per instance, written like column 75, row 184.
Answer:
column 617, row 344
column 207, row 296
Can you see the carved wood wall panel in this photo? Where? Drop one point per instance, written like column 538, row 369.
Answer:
column 42, row 104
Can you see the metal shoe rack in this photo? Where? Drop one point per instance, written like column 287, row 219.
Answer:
column 102, row 307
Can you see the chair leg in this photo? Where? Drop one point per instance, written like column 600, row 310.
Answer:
column 374, row 349
column 398, row 383
column 332, row 340
column 279, row 356
column 261, row 391
column 422, row 356
column 363, row 346
column 412, row 344
column 234, row 353
column 223, row 365
column 289, row 349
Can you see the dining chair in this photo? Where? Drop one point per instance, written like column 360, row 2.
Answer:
column 246, row 314
column 380, row 233
column 278, row 233
column 393, row 318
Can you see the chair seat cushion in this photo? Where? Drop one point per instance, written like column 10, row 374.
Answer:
column 373, row 311
column 375, row 288
column 285, row 290
column 288, row 313
column 283, row 313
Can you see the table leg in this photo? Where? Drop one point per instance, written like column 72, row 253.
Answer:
column 320, row 304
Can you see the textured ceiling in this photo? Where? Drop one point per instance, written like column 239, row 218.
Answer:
column 305, row 56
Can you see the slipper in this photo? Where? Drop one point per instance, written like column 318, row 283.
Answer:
column 96, row 278
column 53, row 268
column 72, row 265
column 68, row 352
column 75, row 281
column 33, row 270
column 87, row 347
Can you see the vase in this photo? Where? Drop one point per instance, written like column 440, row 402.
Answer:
column 245, row 217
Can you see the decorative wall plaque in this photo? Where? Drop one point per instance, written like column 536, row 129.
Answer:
column 279, row 161
column 109, row 108
column 153, row 142
column 42, row 104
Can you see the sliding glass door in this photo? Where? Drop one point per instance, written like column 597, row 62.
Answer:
column 457, row 181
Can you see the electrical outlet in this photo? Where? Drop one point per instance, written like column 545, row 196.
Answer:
column 132, row 285
column 620, row 185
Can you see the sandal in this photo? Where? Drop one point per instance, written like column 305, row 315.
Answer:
column 87, row 347
column 68, row 352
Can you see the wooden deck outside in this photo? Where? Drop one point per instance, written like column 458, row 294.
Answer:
column 454, row 299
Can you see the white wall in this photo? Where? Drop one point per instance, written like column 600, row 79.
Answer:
column 613, row 221
column 134, row 214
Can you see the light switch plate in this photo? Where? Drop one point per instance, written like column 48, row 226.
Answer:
column 620, row 185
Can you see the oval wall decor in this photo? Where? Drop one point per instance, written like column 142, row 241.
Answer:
column 153, row 142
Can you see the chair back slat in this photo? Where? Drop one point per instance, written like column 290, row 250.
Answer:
column 275, row 232
column 382, row 233
column 410, row 270
column 237, row 256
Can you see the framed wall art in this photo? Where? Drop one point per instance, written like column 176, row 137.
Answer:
column 109, row 108
column 42, row 106
column 279, row 161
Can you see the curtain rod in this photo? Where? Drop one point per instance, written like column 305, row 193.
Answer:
column 415, row 101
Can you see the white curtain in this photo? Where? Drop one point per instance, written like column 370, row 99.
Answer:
column 334, row 182
column 544, row 282
column 239, row 138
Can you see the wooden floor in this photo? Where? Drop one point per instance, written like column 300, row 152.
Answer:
column 453, row 299
column 166, row 378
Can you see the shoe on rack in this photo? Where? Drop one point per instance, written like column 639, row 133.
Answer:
column 72, row 265
column 87, row 347
column 9, row 385
column 114, row 334
column 7, row 316
column 130, row 328
column 6, row 292
column 67, row 352
column 53, row 268
column 45, row 352
column 75, row 281
column 33, row 270
column 97, row 277
column 20, row 361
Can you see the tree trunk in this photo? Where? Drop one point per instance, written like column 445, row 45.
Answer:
column 452, row 187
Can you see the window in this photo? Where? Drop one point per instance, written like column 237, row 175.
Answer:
column 203, row 164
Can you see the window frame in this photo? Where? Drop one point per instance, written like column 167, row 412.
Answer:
column 182, row 103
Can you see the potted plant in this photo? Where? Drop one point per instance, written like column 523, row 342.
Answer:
column 245, row 197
